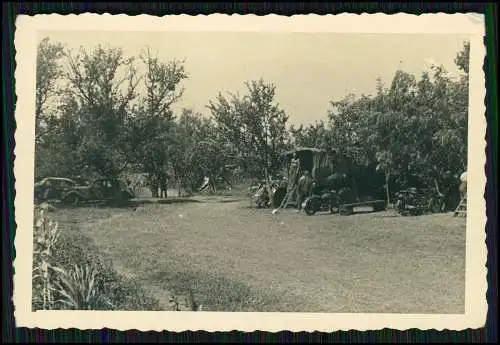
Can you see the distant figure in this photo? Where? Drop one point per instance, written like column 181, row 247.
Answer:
column 205, row 184
column 163, row 184
column 47, row 192
column 304, row 188
column 448, row 190
column 153, row 186
column 463, row 185
column 293, row 175
column 293, row 171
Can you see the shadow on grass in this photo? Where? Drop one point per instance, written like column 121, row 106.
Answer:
column 319, row 214
column 256, row 208
column 172, row 201
column 124, row 203
column 227, row 201
column 217, row 293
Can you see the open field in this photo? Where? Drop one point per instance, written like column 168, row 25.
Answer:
column 239, row 259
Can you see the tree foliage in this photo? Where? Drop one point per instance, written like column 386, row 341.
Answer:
column 412, row 131
column 48, row 73
column 101, row 90
column 100, row 115
column 152, row 134
column 255, row 123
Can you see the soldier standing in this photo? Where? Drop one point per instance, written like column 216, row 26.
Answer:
column 304, row 188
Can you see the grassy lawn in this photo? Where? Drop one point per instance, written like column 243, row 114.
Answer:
column 239, row 259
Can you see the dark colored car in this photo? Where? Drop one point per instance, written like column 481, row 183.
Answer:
column 53, row 188
column 99, row 190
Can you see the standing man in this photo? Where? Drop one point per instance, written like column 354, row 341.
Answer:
column 153, row 185
column 163, row 182
column 293, row 173
column 449, row 187
column 463, row 185
column 304, row 188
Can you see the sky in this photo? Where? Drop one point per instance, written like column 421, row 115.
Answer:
column 308, row 69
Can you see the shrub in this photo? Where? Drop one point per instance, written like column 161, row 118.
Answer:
column 68, row 273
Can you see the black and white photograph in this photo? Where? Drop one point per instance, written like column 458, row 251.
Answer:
column 226, row 178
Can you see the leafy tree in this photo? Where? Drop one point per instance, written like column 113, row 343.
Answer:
column 48, row 73
column 462, row 59
column 197, row 150
column 255, row 123
column 412, row 131
column 313, row 135
column 151, row 135
column 101, row 89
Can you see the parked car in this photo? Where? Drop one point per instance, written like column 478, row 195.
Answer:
column 99, row 190
column 53, row 188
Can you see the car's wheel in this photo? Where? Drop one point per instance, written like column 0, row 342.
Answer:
column 334, row 209
column 335, row 205
column 72, row 199
column 310, row 207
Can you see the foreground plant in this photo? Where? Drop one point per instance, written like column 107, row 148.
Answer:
column 46, row 235
column 55, row 287
column 77, row 289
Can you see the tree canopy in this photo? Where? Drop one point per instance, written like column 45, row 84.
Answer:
column 96, row 113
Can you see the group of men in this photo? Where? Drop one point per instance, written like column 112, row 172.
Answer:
column 158, row 184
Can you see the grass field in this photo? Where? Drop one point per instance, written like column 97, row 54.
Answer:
column 239, row 259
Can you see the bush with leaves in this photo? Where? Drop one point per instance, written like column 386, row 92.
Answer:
column 412, row 131
column 255, row 125
column 67, row 274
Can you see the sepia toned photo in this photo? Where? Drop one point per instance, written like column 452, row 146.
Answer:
column 239, row 172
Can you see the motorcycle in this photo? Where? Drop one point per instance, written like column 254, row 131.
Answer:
column 322, row 201
column 413, row 202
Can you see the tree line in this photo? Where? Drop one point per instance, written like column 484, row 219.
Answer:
column 100, row 113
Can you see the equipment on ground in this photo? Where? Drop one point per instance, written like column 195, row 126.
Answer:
column 338, row 184
column 414, row 201
column 461, row 209
column 326, row 201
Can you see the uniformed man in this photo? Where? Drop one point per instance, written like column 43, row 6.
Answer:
column 304, row 188
column 448, row 190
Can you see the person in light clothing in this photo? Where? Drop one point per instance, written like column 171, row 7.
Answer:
column 304, row 188
column 293, row 174
column 463, row 185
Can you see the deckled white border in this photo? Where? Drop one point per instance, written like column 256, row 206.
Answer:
column 476, row 284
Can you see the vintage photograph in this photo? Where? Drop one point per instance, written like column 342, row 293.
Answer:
column 250, row 171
